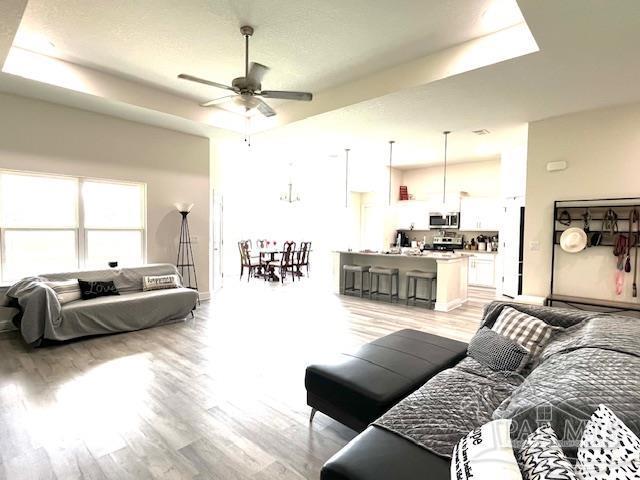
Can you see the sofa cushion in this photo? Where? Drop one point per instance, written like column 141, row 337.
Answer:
column 131, row 311
column 66, row 290
column 377, row 454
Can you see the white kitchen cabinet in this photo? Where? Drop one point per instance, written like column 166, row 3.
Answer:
column 412, row 213
column 480, row 214
column 482, row 270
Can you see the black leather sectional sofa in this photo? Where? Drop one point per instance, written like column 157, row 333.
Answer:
column 594, row 359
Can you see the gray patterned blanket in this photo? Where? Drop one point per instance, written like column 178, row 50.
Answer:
column 596, row 359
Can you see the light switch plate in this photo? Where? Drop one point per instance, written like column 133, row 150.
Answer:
column 534, row 245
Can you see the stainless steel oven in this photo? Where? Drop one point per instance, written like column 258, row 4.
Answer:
column 444, row 222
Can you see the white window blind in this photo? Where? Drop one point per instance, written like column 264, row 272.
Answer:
column 55, row 224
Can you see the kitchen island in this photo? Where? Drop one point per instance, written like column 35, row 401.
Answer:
column 450, row 267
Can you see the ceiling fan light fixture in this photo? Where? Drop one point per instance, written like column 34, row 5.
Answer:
column 248, row 89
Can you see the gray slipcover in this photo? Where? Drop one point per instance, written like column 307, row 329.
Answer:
column 44, row 318
column 594, row 358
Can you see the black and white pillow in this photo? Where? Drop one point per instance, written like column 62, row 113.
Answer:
column 91, row 290
column 608, row 449
column 160, row 282
column 526, row 330
column 542, row 458
column 486, row 454
column 497, row 352
column 66, row 291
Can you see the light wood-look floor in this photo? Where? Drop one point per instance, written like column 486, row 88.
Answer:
column 218, row 397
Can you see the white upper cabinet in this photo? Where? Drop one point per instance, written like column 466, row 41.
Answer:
column 480, row 214
column 412, row 214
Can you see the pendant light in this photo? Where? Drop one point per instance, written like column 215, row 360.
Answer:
column 444, row 176
column 289, row 195
column 391, row 142
column 346, row 177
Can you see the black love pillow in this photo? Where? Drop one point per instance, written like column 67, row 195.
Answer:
column 90, row 290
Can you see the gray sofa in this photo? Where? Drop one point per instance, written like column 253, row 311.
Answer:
column 43, row 318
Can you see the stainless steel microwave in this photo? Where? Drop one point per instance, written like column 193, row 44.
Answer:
column 444, row 222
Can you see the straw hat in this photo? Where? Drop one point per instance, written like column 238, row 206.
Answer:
column 573, row 240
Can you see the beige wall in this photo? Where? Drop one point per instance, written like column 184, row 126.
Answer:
column 602, row 149
column 476, row 178
column 44, row 137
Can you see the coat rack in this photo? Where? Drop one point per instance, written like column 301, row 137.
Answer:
column 594, row 216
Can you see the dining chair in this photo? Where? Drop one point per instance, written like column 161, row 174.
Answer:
column 302, row 257
column 286, row 262
column 246, row 260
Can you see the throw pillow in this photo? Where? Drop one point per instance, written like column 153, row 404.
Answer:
column 486, row 454
column 497, row 352
column 528, row 331
column 608, row 449
column 66, row 291
column 160, row 282
column 91, row 290
column 542, row 458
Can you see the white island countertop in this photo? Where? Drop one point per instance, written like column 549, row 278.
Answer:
column 433, row 255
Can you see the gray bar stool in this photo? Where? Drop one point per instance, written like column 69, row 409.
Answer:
column 354, row 269
column 391, row 273
column 416, row 275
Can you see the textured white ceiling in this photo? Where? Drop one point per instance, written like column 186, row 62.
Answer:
column 588, row 59
column 310, row 45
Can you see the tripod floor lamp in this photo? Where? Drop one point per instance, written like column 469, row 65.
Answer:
column 185, row 262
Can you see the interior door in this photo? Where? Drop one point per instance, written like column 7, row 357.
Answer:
column 511, row 247
column 216, row 244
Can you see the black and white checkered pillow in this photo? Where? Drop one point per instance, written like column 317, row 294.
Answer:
column 526, row 330
column 608, row 449
column 497, row 352
column 541, row 457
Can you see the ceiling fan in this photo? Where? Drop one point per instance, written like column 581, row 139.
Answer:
column 247, row 89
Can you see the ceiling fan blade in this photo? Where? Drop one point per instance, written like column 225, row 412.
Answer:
column 302, row 96
column 191, row 78
column 265, row 109
column 257, row 71
column 217, row 101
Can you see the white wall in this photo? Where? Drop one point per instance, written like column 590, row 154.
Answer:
column 43, row 137
column 476, row 178
column 602, row 148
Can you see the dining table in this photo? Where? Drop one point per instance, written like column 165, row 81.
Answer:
column 267, row 256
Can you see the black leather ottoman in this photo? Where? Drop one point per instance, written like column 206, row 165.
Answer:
column 357, row 388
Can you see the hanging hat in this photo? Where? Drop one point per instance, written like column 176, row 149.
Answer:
column 573, row 240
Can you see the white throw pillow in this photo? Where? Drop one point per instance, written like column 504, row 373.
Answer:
column 66, row 291
column 608, row 449
column 486, row 454
column 160, row 282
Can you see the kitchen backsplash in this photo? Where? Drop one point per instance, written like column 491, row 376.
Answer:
column 419, row 235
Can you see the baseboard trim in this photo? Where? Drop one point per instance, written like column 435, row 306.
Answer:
column 204, row 296
column 448, row 306
column 7, row 326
